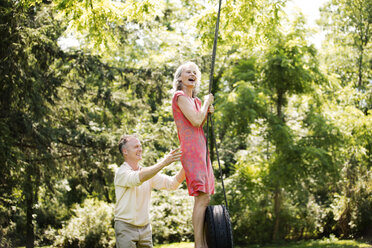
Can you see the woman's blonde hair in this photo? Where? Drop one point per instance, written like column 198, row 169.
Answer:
column 177, row 84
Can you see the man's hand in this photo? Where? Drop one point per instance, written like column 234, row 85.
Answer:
column 173, row 156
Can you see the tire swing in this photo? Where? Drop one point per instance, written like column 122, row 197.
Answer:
column 217, row 224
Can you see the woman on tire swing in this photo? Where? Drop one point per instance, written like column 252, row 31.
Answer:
column 190, row 115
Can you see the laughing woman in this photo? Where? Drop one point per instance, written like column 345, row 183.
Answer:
column 190, row 115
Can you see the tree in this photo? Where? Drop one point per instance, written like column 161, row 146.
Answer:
column 290, row 68
column 346, row 54
column 64, row 110
column 29, row 85
column 275, row 160
column 294, row 142
column 348, row 24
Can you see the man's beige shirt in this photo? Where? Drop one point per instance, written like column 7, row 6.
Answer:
column 133, row 197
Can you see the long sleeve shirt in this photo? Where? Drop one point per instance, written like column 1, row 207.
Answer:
column 133, row 197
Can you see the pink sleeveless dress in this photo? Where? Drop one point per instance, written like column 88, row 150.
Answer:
column 199, row 176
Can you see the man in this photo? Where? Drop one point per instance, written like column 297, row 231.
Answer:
column 133, row 185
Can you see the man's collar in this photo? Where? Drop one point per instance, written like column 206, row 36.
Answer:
column 128, row 165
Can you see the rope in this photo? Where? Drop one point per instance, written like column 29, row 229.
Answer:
column 209, row 117
column 214, row 47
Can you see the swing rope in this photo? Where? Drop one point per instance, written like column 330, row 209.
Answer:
column 209, row 117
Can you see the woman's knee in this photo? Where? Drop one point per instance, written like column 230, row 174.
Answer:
column 203, row 199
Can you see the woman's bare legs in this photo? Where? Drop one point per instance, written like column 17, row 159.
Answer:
column 198, row 215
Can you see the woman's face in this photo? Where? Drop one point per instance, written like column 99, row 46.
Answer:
column 188, row 75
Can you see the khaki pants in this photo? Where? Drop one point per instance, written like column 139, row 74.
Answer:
column 130, row 236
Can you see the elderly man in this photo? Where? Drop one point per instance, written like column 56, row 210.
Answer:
column 133, row 185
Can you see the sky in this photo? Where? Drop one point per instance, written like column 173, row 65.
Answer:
column 310, row 9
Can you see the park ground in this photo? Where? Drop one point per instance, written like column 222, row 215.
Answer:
column 325, row 243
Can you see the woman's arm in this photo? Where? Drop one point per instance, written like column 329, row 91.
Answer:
column 195, row 117
column 210, row 111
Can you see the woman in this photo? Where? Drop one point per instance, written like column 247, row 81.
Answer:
column 190, row 117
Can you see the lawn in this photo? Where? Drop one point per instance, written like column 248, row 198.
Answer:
column 326, row 243
column 176, row 245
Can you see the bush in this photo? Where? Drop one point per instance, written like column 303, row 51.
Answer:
column 170, row 214
column 251, row 208
column 5, row 242
column 92, row 226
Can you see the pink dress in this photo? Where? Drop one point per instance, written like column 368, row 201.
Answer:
column 199, row 176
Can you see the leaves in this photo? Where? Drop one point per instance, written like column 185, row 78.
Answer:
column 292, row 123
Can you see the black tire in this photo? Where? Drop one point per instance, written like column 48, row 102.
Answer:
column 217, row 226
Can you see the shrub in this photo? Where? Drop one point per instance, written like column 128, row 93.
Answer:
column 92, row 226
column 170, row 214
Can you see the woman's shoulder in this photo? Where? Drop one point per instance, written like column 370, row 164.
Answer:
column 178, row 93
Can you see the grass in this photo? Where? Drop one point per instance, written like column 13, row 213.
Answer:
column 319, row 244
column 325, row 243
column 176, row 245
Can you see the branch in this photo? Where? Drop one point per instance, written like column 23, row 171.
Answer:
column 53, row 158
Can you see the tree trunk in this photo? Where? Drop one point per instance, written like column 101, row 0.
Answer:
column 360, row 67
column 277, row 207
column 277, row 194
column 30, row 237
column 279, row 104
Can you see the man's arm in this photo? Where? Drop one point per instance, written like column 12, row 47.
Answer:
column 180, row 175
column 148, row 172
column 161, row 181
column 125, row 177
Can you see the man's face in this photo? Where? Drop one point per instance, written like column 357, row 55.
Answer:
column 133, row 150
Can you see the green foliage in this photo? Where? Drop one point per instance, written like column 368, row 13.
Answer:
column 348, row 57
column 170, row 214
column 28, row 88
column 325, row 243
column 97, row 21
column 51, row 211
column 348, row 45
column 293, row 132
column 90, row 226
column 243, row 23
column 279, row 163
column 331, row 242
